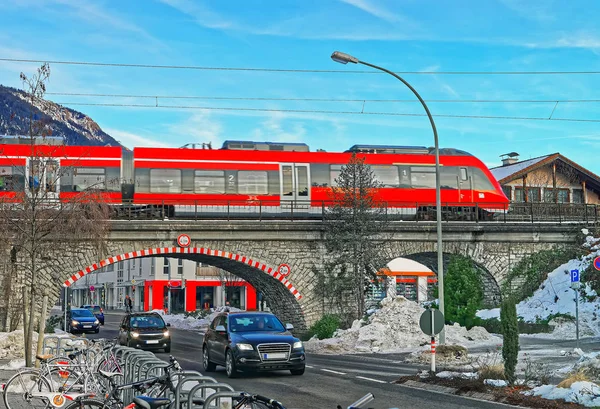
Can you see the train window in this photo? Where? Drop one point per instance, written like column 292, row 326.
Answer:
column 422, row 177
column 88, row 178
column 113, row 179
column 11, row 178
column 387, row 175
column 449, row 177
column 319, row 173
column 165, row 180
column 209, row 181
column 463, row 174
column 404, row 172
column 480, row 181
column 334, row 172
column 253, row 182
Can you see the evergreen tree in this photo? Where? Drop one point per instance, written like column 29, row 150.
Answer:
column 464, row 292
column 354, row 221
column 510, row 332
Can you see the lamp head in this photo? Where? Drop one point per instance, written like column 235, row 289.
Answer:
column 343, row 58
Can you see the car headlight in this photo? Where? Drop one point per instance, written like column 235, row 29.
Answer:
column 74, row 322
column 166, row 333
column 297, row 344
column 245, row 347
column 135, row 334
column 96, row 322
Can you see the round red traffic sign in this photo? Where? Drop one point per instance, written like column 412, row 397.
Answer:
column 92, row 288
column 184, row 240
column 284, row 269
column 175, row 283
column 597, row 263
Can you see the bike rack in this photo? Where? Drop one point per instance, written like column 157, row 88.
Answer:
column 186, row 379
column 207, row 389
column 153, row 364
column 219, row 395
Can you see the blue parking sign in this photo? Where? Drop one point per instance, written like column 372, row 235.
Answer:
column 575, row 276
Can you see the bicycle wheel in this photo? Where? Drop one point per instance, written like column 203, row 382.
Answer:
column 20, row 389
column 86, row 404
column 57, row 371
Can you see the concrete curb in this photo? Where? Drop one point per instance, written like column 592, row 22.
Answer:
column 446, row 390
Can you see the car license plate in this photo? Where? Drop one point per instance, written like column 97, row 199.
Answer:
column 87, row 326
column 275, row 355
column 152, row 342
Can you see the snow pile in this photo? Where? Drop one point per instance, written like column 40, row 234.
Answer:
column 583, row 392
column 14, row 364
column 393, row 328
column 451, row 375
column 589, row 362
column 180, row 321
column 555, row 295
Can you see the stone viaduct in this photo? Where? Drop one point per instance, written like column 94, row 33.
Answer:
column 254, row 250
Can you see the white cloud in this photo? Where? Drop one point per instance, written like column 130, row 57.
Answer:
column 201, row 14
column 199, row 127
column 275, row 130
column 131, row 140
column 374, row 9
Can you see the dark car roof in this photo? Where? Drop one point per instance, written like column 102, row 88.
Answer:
column 90, row 305
column 143, row 314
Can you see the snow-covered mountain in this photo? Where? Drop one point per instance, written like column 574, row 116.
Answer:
column 77, row 128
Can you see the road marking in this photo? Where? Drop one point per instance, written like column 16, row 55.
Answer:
column 371, row 379
column 335, row 372
column 309, row 366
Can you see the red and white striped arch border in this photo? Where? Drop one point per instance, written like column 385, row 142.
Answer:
column 182, row 250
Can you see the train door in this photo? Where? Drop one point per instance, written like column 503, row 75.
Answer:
column 295, row 182
column 43, row 177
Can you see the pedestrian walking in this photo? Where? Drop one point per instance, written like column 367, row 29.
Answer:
column 128, row 304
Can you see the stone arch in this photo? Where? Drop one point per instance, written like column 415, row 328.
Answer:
column 491, row 289
column 282, row 294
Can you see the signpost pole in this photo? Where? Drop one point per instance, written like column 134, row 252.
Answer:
column 575, row 284
column 432, row 341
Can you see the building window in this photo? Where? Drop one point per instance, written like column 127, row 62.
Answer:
column 507, row 191
column 533, row 194
column 165, row 266
column 120, row 273
column 562, row 195
column 577, row 195
column 180, row 266
column 153, row 266
column 519, row 198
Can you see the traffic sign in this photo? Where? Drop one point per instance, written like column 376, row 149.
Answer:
column 284, row 270
column 92, row 288
column 597, row 263
column 184, row 240
column 574, row 276
column 431, row 322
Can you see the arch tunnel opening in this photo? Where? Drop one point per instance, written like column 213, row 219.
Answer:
column 278, row 291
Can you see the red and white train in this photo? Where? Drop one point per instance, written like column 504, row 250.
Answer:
column 278, row 177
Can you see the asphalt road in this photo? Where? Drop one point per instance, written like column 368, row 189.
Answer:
column 328, row 381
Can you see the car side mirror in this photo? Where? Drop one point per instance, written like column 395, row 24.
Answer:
column 220, row 328
column 168, row 324
column 289, row 327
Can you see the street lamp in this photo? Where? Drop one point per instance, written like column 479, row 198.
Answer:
column 344, row 58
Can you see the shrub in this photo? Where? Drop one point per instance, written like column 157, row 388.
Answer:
column 575, row 377
column 53, row 322
column 463, row 291
column 510, row 331
column 325, row 327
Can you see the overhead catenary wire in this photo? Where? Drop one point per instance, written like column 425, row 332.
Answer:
column 312, row 99
column 291, row 70
column 316, row 111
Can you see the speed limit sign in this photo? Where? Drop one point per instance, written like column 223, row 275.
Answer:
column 284, row 269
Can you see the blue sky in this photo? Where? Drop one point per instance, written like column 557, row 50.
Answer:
column 401, row 35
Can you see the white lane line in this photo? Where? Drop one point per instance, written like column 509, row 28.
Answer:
column 335, row 372
column 309, row 366
column 371, row 379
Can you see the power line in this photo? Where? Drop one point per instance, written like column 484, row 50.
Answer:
column 205, row 97
column 315, row 111
column 295, row 70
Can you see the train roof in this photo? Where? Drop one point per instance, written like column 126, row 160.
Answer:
column 265, row 146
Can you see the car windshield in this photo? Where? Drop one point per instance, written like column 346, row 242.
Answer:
column 81, row 313
column 251, row 323
column 150, row 321
column 93, row 308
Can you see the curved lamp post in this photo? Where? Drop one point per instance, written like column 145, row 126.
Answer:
column 344, row 58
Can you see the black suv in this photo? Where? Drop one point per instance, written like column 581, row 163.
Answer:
column 254, row 341
column 145, row 330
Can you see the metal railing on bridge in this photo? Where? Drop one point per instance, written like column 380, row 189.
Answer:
column 573, row 213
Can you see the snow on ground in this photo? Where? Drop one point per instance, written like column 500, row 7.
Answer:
column 394, row 328
column 556, row 296
column 14, row 364
column 180, row 321
column 583, row 392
